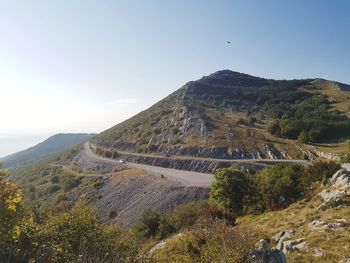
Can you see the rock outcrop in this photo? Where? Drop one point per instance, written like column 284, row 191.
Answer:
column 284, row 242
column 338, row 190
column 320, row 224
column 268, row 255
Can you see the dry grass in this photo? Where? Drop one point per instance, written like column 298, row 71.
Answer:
column 335, row 243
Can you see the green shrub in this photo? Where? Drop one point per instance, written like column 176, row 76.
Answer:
column 55, row 179
column 53, row 188
column 98, row 182
column 186, row 215
column 231, row 189
column 149, row 224
column 280, row 185
column 71, row 182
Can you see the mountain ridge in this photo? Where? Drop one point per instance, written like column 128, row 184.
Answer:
column 230, row 112
column 53, row 144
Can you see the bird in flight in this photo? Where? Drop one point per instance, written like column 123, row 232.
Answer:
column 228, row 42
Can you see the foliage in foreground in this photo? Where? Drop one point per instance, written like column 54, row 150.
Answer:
column 43, row 237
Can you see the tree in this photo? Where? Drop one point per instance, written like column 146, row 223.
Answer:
column 279, row 185
column 231, row 189
column 303, row 137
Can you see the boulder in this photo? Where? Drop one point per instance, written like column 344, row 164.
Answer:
column 278, row 236
column 318, row 252
column 302, row 247
column 297, row 244
column 281, row 236
column 267, row 255
column 317, row 224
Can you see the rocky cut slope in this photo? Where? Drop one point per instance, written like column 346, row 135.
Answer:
column 234, row 115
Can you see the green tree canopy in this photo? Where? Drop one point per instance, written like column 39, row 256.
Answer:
column 230, row 189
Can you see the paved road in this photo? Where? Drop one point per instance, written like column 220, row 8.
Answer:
column 185, row 177
column 176, row 157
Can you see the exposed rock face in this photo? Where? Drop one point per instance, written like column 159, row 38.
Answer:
column 189, row 164
column 346, row 166
column 268, row 255
column 340, row 178
column 267, row 151
column 128, row 193
column 338, row 191
column 192, row 124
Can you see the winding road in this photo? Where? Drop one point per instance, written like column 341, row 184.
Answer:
column 187, row 178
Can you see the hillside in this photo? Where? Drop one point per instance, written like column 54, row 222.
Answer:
column 54, row 144
column 120, row 194
column 237, row 116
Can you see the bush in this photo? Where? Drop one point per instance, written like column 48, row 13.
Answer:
column 280, row 185
column 55, row 179
column 53, row 188
column 231, row 189
column 186, row 215
column 71, row 182
column 98, row 182
column 148, row 224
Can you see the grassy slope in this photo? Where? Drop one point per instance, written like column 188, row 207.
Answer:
column 335, row 243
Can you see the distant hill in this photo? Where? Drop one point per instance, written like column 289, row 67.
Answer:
column 234, row 115
column 55, row 143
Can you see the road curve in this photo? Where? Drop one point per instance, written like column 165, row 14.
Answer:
column 191, row 158
column 185, row 177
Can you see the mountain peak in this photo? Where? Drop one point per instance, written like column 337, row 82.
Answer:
column 226, row 73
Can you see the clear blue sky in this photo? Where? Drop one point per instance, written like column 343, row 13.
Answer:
column 83, row 66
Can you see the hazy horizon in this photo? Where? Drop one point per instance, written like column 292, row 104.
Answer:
column 85, row 66
column 12, row 143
